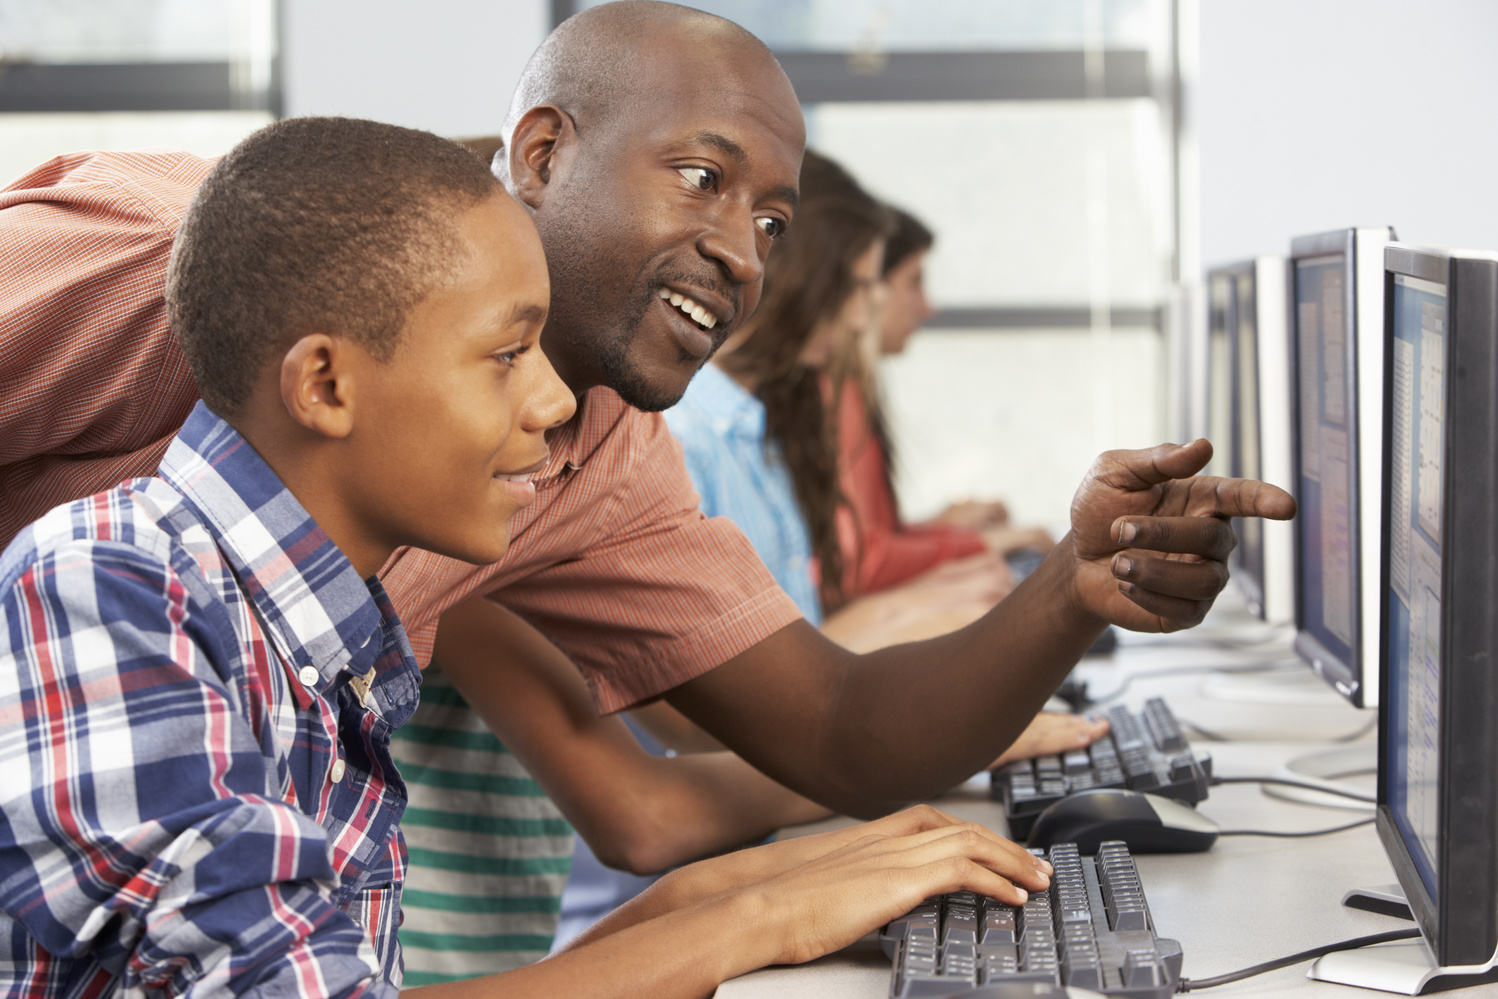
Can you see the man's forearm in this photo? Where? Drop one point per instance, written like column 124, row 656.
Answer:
column 1147, row 551
column 867, row 734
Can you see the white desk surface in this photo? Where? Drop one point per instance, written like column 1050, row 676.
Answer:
column 1249, row 899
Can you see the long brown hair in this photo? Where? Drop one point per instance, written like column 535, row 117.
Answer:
column 908, row 236
column 808, row 279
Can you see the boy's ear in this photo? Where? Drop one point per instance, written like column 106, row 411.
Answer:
column 317, row 385
column 544, row 141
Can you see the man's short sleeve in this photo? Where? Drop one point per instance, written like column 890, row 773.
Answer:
column 92, row 383
column 615, row 563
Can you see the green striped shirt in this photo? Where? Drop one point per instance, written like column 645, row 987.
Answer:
column 489, row 852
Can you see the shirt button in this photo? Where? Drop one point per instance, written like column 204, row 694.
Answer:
column 308, row 676
column 336, row 774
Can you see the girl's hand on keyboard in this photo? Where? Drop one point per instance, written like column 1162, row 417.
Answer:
column 829, row 902
column 1052, row 733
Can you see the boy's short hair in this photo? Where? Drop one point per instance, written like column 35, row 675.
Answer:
column 333, row 225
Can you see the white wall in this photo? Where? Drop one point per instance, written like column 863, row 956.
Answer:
column 1318, row 114
column 449, row 66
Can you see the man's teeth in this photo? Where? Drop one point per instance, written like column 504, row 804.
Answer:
column 691, row 308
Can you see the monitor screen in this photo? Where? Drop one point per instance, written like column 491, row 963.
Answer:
column 1327, row 468
column 1416, row 417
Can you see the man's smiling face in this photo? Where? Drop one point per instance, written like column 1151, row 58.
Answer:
column 657, row 227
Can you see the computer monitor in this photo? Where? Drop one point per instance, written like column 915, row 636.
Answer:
column 1249, row 393
column 1438, row 635
column 1336, row 316
column 1221, row 318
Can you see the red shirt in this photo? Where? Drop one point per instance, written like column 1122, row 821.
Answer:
column 878, row 549
column 613, row 561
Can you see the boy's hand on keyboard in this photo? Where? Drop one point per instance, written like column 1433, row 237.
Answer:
column 747, row 867
column 1151, row 538
column 1052, row 733
column 831, row 901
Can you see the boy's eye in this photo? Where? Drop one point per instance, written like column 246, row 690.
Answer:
column 509, row 357
column 700, row 177
column 771, row 226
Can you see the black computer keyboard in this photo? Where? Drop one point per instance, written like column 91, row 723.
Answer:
column 1142, row 752
column 1092, row 929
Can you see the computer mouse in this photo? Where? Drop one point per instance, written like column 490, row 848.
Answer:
column 1148, row 823
column 1027, row 990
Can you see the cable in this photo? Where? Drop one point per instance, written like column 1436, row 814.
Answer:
column 1354, row 795
column 1187, row 985
column 1296, row 835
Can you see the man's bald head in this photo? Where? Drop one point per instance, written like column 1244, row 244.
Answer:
column 594, row 65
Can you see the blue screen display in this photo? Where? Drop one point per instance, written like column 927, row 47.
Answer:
column 1416, row 446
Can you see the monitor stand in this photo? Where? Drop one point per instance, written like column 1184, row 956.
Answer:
column 1386, row 900
column 1405, row 966
column 1324, row 768
column 1292, row 685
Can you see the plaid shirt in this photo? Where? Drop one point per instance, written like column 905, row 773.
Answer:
column 197, row 693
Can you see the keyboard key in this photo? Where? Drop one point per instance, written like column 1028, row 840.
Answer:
column 1142, row 968
column 960, row 924
column 999, row 927
column 1182, row 768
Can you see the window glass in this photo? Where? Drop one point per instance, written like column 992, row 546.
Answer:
column 1054, row 203
column 922, row 25
column 109, row 31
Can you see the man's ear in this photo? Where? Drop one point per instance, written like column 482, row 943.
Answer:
column 544, row 141
column 317, row 384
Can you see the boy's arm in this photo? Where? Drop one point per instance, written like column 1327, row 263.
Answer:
column 784, row 903
column 638, row 812
column 138, row 833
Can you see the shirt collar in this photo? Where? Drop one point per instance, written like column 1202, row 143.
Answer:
column 599, row 413
column 728, row 405
column 305, row 589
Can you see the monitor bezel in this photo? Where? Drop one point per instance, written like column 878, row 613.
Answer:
column 1345, row 677
column 1461, row 924
column 1250, row 582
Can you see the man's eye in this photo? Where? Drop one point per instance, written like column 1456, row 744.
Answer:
column 770, row 226
column 700, row 177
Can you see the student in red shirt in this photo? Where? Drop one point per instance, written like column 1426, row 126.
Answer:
column 879, row 546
